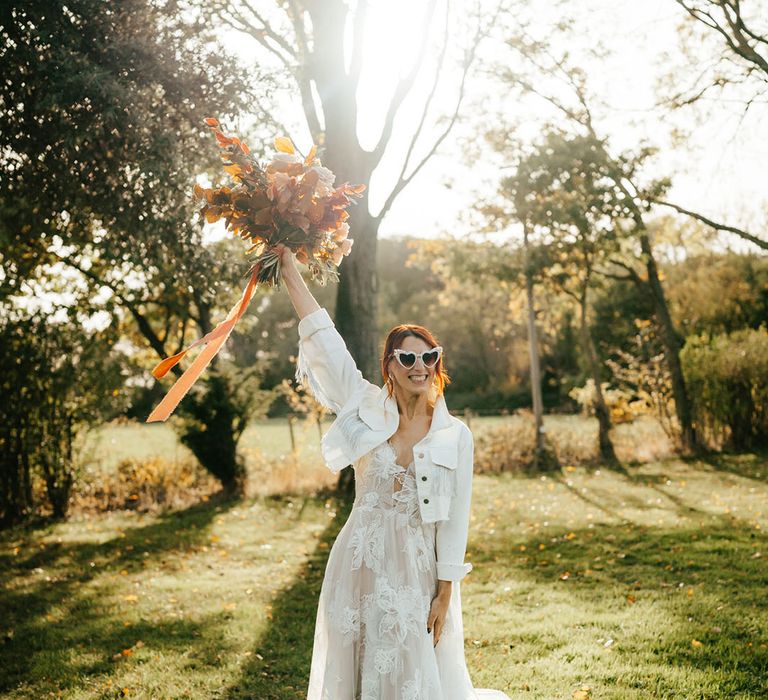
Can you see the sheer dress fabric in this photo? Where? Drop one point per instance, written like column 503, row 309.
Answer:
column 371, row 640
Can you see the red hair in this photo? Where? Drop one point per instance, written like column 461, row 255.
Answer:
column 394, row 340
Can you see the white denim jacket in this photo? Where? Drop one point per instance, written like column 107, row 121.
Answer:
column 366, row 416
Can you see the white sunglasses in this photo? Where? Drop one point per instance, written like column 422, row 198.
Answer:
column 407, row 359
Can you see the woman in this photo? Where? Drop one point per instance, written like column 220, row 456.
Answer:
column 389, row 623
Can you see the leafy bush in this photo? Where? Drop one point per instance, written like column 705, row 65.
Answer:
column 643, row 374
column 727, row 377
column 59, row 380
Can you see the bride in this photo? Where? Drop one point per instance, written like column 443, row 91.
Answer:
column 389, row 624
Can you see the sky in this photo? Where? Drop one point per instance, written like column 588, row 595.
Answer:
column 718, row 171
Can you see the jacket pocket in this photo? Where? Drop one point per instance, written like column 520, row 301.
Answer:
column 444, row 456
column 444, row 461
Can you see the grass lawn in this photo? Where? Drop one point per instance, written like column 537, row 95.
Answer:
column 591, row 584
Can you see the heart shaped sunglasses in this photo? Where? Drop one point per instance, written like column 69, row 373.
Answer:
column 407, row 359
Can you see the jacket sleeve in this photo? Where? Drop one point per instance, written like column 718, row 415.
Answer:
column 324, row 364
column 451, row 534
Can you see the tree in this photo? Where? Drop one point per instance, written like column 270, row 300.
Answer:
column 562, row 194
column 103, row 109
column 307, row 38
column 568, row 93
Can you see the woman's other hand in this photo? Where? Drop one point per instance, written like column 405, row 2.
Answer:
column 437, row 615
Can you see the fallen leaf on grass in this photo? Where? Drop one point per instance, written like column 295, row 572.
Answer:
column 583, row 693
column 695, row 643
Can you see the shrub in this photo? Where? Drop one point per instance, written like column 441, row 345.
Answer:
column 727, row 377
column 145, row 485
column 58, row 380
column 509, row 446
column 619, row 402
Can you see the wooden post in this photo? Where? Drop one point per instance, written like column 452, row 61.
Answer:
column 468, row 417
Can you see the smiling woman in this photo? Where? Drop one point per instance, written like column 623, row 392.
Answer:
column 389, row 619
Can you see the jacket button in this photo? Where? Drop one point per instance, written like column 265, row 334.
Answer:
column 421, row 455
column 426, row 500
column 423, row 478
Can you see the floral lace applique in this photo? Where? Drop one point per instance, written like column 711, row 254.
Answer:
column 367, row 543
column 403, row 609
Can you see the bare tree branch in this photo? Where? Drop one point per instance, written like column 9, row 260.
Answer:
column 401, row 91
column 267, row 29
column 715, row 225
column 241, row 24
column 428, row 101
column 302, row 74
column 403, row 181
column 732, row 28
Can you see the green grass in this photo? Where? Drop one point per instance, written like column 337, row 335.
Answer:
column 649, row 584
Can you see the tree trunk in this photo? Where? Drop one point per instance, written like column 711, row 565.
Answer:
column 356, row 309
column 669, row 336
column 210, row 420
column 601, row 409
column 533, row 348
column 356, row 298
column 672, row 345
column 208, row 430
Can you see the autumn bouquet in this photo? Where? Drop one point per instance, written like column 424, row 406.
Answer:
column 290, row 201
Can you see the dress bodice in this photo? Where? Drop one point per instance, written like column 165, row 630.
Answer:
column 382, row 483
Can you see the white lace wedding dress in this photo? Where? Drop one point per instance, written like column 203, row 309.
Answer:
column 371, row 640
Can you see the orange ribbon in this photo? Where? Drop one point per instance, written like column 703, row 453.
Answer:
column 213, row 340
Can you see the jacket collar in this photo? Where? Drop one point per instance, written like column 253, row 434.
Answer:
column 379, row 411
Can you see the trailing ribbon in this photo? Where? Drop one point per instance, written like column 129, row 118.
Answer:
column 213, row 340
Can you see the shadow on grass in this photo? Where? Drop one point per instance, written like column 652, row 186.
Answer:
column 37, row 586
column 286, row 646
column 749, row 465
column 684, row 605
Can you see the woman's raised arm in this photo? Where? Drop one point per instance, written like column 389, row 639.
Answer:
column 301, row 297
column 324, row 364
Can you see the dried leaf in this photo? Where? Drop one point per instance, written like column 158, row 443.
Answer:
column 284, row 145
